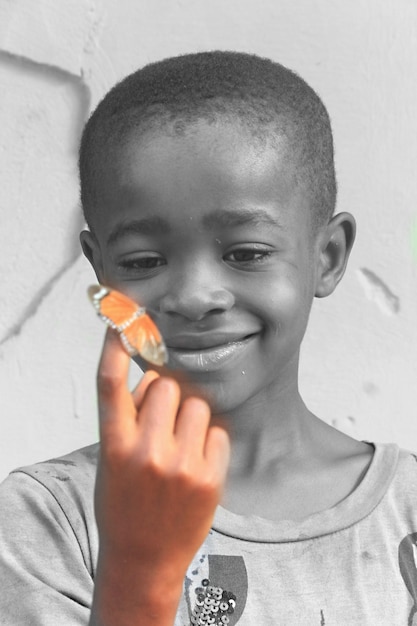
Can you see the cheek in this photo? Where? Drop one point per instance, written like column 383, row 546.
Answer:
column 286, row 303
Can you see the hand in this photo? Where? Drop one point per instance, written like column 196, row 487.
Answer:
column 160, row 476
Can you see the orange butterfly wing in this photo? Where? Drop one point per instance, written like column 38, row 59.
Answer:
column 117, row 307
column 138, row 332
column 144, row 337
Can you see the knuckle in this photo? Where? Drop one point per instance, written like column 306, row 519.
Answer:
column 114, row 449
column 200, row 484
column 165, row 383
column 208, row 485
column 154, row 464
column 184, row 475
column 195, row 404
column 163, row 392
column 108, row 383
column 194, row 416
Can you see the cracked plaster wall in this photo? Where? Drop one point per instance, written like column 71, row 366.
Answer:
column 358, row 367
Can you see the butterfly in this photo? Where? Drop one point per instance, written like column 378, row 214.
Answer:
column 138, row 333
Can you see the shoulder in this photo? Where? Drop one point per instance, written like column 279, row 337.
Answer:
column 79, row 465
column 400, row 467
column 49, row 542
column 407, row 466
column 52, row 503
column 65, row 483
column 407, row 459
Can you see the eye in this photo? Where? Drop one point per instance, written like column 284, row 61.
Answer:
column 248, row 256
column 141, row 263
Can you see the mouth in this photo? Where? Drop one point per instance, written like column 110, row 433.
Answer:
column 207, row 354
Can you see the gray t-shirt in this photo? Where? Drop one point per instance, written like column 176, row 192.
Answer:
column 354, row 564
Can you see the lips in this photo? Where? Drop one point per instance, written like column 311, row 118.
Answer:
column 207, row 352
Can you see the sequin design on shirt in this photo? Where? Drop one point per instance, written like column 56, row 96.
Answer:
column 213, row 605
column 220, row 596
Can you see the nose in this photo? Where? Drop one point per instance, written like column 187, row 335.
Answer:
column 196, row 295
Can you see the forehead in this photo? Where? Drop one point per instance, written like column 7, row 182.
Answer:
column 210, row 168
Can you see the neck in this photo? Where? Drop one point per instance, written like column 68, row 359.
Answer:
column 270, row 431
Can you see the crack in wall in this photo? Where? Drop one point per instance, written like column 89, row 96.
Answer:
column 55, row 74
column 60, row 34
column 78, row 116
column 32, row 308
column 50, row 68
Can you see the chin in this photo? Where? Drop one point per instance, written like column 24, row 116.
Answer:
column 222, row 396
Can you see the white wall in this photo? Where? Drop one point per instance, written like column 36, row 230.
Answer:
column 57, row 59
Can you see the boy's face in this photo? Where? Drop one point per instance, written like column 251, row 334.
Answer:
column 210, row 232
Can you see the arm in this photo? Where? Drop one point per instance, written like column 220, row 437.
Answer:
column 161, row 471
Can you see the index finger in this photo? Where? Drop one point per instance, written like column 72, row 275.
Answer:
column 114, row 399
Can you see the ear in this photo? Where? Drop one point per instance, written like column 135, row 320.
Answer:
column 91, row 249
column 335, row 245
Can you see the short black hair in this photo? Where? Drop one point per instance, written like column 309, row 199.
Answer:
column 269, row 99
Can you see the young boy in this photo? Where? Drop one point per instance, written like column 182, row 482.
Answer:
column 208, row 185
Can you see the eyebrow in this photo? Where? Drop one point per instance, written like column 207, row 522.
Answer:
column 144, row 226
column 227, row 219
column 152, row 225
